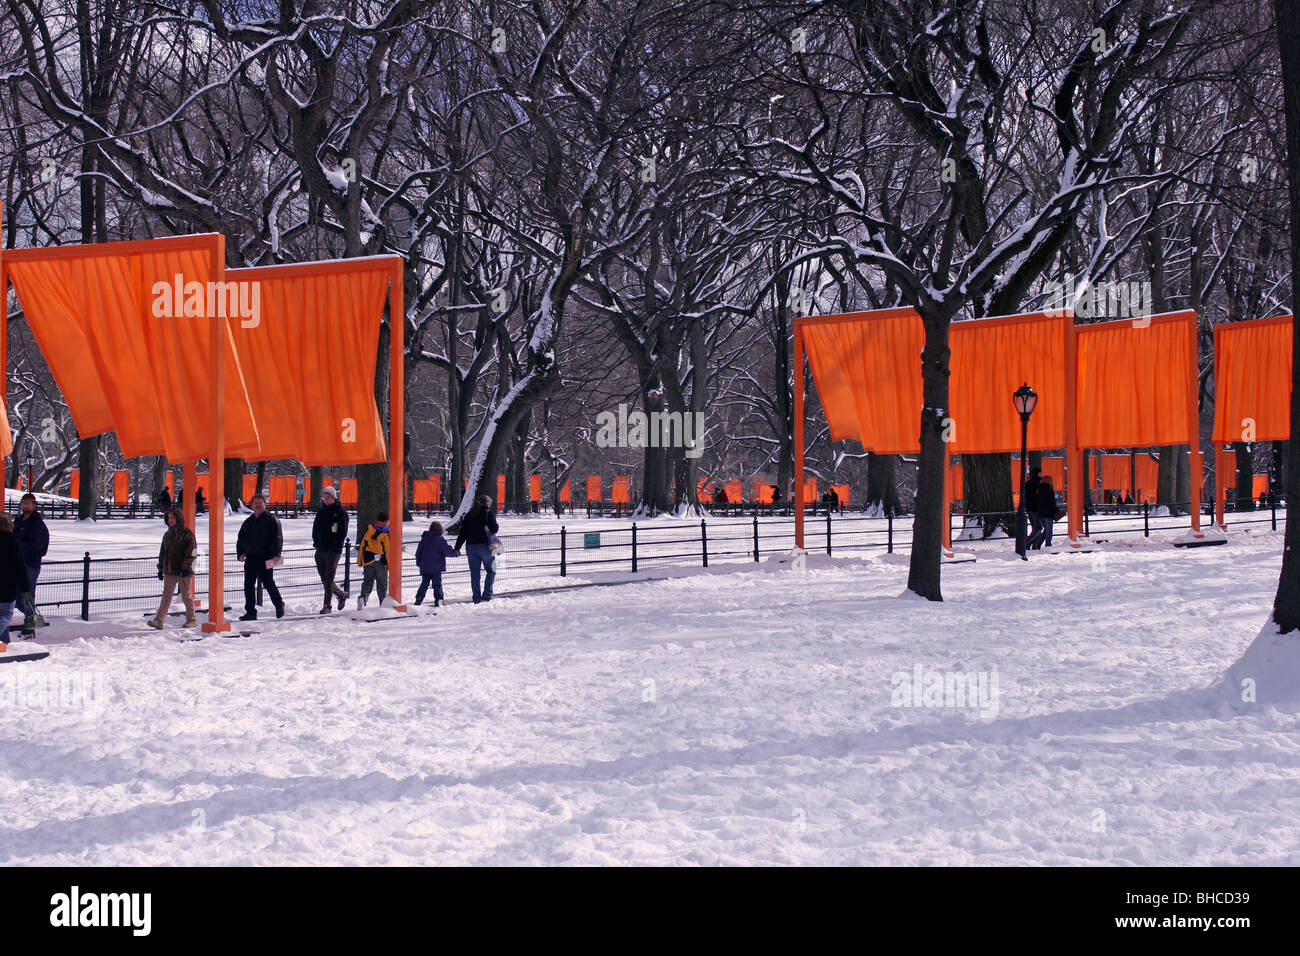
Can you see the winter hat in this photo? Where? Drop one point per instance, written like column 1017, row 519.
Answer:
column 328, row 490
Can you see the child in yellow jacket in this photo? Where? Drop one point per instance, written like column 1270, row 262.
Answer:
column 372, row 555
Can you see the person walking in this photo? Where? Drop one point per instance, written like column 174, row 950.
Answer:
column 176, row 568
column 476, row 529
column 328, row 532
column 34, row 539
column 258, row 548
column 372, row 556
column 200, row 502
column 13, row 575
column 431, row 556
column 164, row 501
column 1044, row 512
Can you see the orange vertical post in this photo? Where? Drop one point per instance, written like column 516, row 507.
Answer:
column 798, row 433
column 4, row 337
column 1196, row 467
column 396, row 428
column 217, row 334
column 1224, row 462
column 1073, row 452
column 947, row 505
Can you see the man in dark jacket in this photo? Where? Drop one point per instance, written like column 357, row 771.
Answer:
column 258, row 547
column 13, row 574
column 475, row 529
column 34, row 539
column 328, row 532
column 1044, row 506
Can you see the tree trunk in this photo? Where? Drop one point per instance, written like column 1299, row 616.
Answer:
column 235, row 483
column 882, row 484
column 372, row 479
column 317, row 474
column 923, row 576
column 1286, row 606
column 1244, row 477
column 88, row 464
column 987, row 488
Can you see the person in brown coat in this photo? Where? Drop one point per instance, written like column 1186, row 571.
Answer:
column 176, row 567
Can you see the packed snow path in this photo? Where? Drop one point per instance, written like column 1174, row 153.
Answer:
column 745, row 716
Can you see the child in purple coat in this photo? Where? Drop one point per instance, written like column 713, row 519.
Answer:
column 431, row 556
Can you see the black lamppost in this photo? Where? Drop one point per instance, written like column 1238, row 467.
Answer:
column 1025, row 399
column 31, row 465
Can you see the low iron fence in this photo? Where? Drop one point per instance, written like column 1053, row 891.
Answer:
column 536, row 560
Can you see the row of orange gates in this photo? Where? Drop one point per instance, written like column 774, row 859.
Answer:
column 1114, row 471
column 282, row 490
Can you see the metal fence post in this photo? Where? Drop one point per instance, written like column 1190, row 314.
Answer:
column 828, row 530
column 347, row 566
column 634, row 547
column 1146, row 519
column 704, row 540
column 890, row 518
column 1273, row 502
column 563, row 569
column 85, row 587
column 755, row 537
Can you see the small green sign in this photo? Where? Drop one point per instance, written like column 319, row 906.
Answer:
column 591, row 539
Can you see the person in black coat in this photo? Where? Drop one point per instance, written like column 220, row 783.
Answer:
column 475, row 528
column 258, row 547
column 328, row 532
column 164, row 501
column 1045, row 513
column 13, row 574
column 34, row 539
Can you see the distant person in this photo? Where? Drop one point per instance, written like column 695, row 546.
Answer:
column 176, row 568
column 328, row 532
column 1044, row 513
column 835, row 501
column 164, row 501
column 431, row 557
column 13, row 575
column 258, row 548
column 200, row 502
column 372, row 556
column 476, row 529
column 34, row 539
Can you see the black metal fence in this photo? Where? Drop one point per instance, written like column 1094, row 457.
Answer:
column 535, row 560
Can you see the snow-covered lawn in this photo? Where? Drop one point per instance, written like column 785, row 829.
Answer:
column 754, row 714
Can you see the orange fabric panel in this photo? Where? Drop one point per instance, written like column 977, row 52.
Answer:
column 594, row 483
column 249, row 487
column 121, row 487
column 843, row 492
column 201, row 481
column 327, row 481
column 309, row 362
column 735, row 491
column 810, row 495
column 535, row 487
column 1148, row 472
column 75, row 490
column 435, row 491
column 1053, row 468
column 566, row 493
column 171, row 483
column 763, row 492
column 1115, row 472
column 1252, row 379
column 704, row 490
column 1258, row 486
column 422, row 492
column 348, row 492
column 991, row 358
column 501, row 488
column 620, row 493
column 957, row 481
column 122, row 357
column 282, row 490
column 6, row 435
column 868, row 374
column 1134, row 382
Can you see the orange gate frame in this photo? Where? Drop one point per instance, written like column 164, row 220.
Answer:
column 218, row 332
column 1070, row 411
column 1265, row 395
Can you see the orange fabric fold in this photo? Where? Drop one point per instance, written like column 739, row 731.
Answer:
column 1252, row 380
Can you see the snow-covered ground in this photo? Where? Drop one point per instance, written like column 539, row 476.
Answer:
column 748, row 714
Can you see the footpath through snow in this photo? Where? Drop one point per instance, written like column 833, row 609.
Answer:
column 761, row 715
